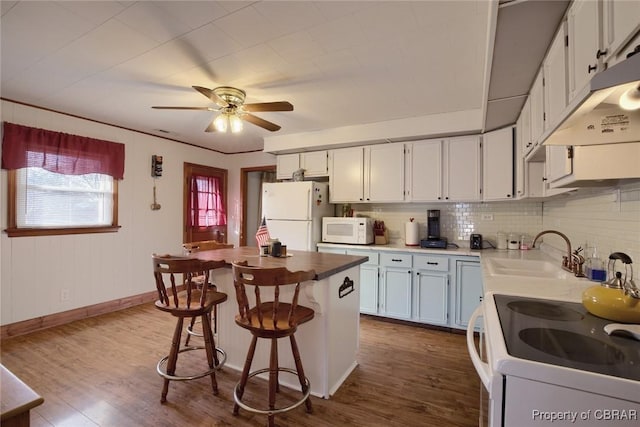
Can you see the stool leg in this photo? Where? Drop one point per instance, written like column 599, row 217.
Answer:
column 245, row 372
column 210, row 347
column 273, row 378
column 173, row 357
column 300, row 369
column 190, row 327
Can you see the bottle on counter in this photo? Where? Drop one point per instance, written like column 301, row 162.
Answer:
column 594, row 266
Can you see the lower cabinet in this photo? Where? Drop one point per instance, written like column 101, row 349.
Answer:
column 431, row 297
column 395, row 285
column 416, row 287
column 468, row 290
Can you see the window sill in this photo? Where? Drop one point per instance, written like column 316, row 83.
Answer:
column 24, row 232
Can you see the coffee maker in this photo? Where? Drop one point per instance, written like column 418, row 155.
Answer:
column 433, row 239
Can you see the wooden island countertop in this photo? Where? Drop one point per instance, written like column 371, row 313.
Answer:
column 324, row 264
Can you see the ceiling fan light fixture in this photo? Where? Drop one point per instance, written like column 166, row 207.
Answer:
column 235, row 123
column 221, row 123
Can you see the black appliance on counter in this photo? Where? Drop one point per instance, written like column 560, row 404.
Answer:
column 433, row 239
column 476, row 241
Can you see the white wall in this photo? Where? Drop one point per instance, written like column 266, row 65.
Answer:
column 96, row 268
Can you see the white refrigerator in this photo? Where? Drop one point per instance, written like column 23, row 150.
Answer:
column 294, row 212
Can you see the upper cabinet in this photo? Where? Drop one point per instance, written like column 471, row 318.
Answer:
column 497, row 165
column 367, row 174
column 537, row 109
column 555, row 80
column 619, row 24
column 444, row 170
column 583, row 24
column 314, row 163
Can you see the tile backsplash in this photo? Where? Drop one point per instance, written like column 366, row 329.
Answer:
column 608, row 219
column 459, row 220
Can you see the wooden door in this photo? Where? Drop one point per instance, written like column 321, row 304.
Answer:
column 205, row 203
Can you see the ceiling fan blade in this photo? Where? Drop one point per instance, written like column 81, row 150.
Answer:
column 261, row 122
column 211, row 95
column 268, row 106
column 184, row 108
column 210, row 128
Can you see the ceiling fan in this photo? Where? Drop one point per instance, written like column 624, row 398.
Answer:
column 233, row 110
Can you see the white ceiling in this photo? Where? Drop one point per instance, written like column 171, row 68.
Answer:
column 340, row 63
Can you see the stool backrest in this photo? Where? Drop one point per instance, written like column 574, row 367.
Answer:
column 258, row 277
column 165, row 270
column 205, row 245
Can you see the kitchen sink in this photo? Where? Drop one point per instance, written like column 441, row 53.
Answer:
column 526, row 268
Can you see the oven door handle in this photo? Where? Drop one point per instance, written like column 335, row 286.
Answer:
column 481, row 367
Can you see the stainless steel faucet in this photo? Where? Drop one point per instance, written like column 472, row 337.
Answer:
column 571, row 262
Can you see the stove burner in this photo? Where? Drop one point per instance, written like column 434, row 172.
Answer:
column 545, row 310
column 572, row 346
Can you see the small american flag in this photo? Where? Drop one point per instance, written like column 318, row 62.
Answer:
column 262, row 235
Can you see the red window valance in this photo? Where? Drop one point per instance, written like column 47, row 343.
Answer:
column 24, row 146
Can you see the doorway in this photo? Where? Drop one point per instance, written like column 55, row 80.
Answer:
column 251, row 180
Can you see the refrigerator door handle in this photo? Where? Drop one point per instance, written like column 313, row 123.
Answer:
column 309, row 204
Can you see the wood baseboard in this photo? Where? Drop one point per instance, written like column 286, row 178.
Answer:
column 57, row 319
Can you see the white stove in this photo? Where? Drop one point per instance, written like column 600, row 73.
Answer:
column 549, row 362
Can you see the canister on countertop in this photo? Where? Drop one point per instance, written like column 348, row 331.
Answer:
column 513, row 242
column 501, row 240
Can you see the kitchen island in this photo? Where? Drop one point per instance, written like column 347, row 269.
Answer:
column 328, row 343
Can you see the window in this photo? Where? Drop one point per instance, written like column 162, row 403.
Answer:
column 205, row 203
column 60, row 183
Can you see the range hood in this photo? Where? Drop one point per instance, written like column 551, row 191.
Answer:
column 595, row 116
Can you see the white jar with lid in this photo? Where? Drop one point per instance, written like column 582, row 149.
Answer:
column 513, row 242
column 501, row 240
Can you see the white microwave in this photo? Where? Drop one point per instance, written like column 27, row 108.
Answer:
column 351, row 230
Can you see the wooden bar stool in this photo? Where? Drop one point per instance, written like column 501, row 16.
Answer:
column 272, row 319
column 192, row 301
column 193, row 247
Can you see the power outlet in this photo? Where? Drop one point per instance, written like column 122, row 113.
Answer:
column 65, row 295
column 487, row 217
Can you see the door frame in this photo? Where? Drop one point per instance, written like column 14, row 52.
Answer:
column 244, row 175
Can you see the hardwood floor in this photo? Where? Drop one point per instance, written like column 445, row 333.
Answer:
column 101, row 372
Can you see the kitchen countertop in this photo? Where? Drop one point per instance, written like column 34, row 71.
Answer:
column 569, row 288
column 404, row 248
column 324, row 264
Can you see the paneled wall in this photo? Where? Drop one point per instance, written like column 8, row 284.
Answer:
column 96, row 268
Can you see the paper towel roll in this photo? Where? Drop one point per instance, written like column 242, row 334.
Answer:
column 411, row 235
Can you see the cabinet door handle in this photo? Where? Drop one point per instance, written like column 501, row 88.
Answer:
column 508, row 195
column 396, row 260
column 591, row 68
column 432, row 263
column 600, row 53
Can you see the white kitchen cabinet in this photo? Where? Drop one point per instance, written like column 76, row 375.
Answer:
column 286, row 165
column 469, row 290
column 537, row 110
column 525, row 123
column 497, row 165
column 534, row 175
column 384, row 173
column 314, row 163
column 424, row 170
column 395, row 285
column 555, row 80
column 369, row 278
column 444, row 170
column 346, row 175
column 462, row 170
column 431, row 289
column 367, row 174
column 558, row 163
column 619, row 24
column 584, row 29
